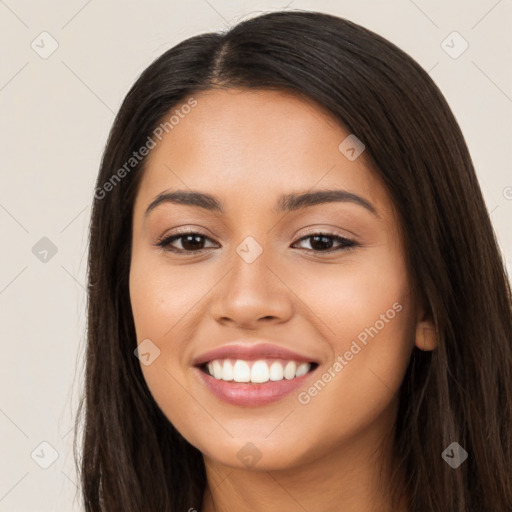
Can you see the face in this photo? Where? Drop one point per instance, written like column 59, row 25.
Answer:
column 282, row 285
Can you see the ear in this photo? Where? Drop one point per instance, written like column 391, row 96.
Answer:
column 426, row 336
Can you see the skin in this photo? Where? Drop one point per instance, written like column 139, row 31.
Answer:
column 247, row 148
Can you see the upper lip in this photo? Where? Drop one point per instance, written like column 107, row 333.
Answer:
column 251, row 352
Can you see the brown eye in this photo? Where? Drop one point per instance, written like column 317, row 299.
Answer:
column 323, row 242
column 189, row 241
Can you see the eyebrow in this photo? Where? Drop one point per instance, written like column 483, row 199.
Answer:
column 286, row 203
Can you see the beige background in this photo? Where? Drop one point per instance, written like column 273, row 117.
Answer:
column 56, row 113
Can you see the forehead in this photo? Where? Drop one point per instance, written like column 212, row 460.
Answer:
column 254, row 145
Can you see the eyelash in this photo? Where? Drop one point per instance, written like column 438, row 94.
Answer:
column 346, row 243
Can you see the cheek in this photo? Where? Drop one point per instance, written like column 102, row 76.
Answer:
column 367, row 319
column 352, row 297
column 162, row 297
column 359, row 389
column 162, row 302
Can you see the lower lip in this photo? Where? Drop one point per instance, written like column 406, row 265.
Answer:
column 252, row 395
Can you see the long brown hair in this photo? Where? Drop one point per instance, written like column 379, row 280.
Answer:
column 132, row 458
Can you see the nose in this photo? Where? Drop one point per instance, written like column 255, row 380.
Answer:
column 252, row 294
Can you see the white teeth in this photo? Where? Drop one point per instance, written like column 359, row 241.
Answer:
column 276, row 371
column 241, row 372
column 289, row 371
column 217, row 370
column 227, row 370
column 257, row 372
column 302, row 369
column 260, row 372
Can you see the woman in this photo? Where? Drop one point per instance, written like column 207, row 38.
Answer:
column 341, row 338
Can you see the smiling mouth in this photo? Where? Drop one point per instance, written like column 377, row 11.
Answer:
column 257, row 371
